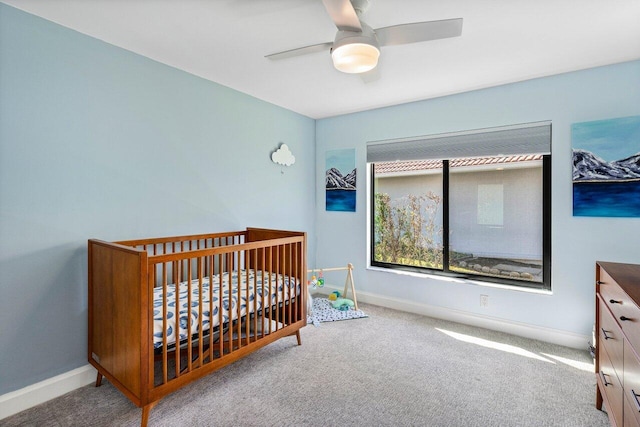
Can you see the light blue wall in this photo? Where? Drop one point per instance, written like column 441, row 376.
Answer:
column 96, row 141
column 606, row 92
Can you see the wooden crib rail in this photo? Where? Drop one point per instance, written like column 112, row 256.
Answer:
column 178, row 244
column 171, row 239
column 258, row 234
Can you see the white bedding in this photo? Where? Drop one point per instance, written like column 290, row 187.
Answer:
column 251, row 288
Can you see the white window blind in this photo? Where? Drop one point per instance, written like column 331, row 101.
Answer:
column 528, row 138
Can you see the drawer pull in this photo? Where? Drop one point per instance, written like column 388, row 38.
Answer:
column 624, row 318
column 604, row 380
column 604, row 333
column 635, row 398
column 612, row 301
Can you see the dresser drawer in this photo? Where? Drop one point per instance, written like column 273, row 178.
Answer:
column 609, row 289
column 625, row 311
column 631, row 413
column 631, row 381
column 611, row 387
column 611, row 338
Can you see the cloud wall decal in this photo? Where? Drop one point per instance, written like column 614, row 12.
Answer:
column 283, row 156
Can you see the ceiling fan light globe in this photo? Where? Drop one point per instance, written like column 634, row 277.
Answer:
column 355, row 58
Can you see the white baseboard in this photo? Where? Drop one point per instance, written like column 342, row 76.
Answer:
column 35, row 394
column 554, row 336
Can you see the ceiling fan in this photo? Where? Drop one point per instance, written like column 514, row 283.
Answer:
column 356, row 47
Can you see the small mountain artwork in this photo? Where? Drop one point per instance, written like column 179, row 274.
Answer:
column 340, row 181
column 606, row 167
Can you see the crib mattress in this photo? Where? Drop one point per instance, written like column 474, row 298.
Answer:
column 253, row 287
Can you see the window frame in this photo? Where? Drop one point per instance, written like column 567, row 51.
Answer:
column 545, row 285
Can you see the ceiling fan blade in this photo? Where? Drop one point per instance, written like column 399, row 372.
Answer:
column 300, row 51
column 419, row 32
column 343, row 15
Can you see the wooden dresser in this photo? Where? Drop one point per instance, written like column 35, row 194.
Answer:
column 618, row 341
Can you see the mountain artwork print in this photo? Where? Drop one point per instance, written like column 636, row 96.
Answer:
column 340, row 179
column 606, row 167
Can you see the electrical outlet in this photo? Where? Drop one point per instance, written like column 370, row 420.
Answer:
column 484, row 300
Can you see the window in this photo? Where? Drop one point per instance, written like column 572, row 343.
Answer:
column 446, row 208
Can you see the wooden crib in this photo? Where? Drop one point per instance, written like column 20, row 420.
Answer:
column 164, row 312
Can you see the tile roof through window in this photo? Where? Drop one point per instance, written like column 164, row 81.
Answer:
column 418, row 165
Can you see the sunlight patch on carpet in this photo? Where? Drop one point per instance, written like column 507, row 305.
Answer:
column 494, row 345
column 583, row 366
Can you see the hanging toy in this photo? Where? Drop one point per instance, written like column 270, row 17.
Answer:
column 313, row 282
column 320, row 280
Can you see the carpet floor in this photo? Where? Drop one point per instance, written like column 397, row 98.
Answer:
column 389, row 369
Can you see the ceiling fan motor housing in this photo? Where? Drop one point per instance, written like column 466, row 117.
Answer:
column 355, row 52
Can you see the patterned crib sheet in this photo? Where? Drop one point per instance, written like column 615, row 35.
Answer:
column 252, row 287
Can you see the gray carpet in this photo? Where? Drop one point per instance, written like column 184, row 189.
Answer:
column 389, row 369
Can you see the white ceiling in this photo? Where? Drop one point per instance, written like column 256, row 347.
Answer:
column 503, row 41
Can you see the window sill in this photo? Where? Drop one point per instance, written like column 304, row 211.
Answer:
column 437, row 277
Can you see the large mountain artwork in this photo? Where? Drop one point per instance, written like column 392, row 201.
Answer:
column 606, row 167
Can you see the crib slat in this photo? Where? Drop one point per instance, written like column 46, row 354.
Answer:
column 165, row 308
column 293, row 283
column 200, row 312
column 299, row 272
column 220, row 306
column 176, row 281
column 188, row 314
column 238, row 303
column 210, row 258
column 287, row 272
column 286, row 284
column 280, row 270
column 248, row 311
column 253, row 257
column 273, row 278
column 230, row 293
column 265, row 304
column 293, row 289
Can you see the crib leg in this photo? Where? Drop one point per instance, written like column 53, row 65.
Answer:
column 298, row 337
column 145, row 413
column 99, row 380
